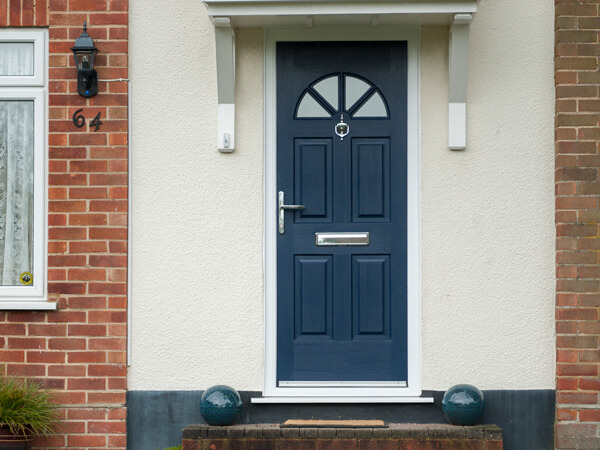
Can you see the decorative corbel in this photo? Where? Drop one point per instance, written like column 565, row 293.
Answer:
column 225, row 46
column 457, row 88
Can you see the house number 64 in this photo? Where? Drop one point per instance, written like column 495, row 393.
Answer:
column 79, row 120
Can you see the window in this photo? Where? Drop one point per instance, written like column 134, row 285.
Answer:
column 23, row 193
column 360, row 99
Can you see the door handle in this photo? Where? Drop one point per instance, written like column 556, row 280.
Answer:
column 282, row 208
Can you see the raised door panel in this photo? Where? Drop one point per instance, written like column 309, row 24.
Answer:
column 313, row 296
column 371, row 296
column 313, row 179
column 370, row 180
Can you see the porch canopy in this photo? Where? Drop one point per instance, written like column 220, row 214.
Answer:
column 230, row 14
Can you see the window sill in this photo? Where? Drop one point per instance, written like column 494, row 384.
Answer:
column 28, row 306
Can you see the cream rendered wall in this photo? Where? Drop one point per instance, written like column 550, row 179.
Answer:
column 197, row 214
column 487, row 212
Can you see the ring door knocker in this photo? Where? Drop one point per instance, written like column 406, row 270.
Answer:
column 342, row 128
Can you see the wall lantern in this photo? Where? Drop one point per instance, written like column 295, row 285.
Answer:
column 85, row 57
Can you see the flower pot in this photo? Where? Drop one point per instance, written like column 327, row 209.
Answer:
column 11, row 441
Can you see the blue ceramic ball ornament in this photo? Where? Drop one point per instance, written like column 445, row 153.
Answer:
column 463, row 404
column 220, row 405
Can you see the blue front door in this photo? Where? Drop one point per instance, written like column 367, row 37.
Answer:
column 341, row 260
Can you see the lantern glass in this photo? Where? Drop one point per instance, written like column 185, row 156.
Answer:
column 85, row 60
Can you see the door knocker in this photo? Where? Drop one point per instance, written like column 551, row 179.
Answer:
column 342, row 129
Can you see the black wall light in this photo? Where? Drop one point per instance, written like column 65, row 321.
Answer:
column 85, row 57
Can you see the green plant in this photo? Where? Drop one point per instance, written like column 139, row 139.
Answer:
column 26, row 407
column 177, row 447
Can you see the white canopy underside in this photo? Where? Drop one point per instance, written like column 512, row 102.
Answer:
column 273, row 13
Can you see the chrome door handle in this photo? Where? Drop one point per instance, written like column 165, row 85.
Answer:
column 282, row 208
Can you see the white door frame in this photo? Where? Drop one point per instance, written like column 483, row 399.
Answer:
column 272, row 393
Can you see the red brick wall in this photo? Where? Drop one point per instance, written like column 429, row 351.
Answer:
column 577, row 217
column 80, row 350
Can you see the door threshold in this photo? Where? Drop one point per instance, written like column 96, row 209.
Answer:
column 329, row 384
column 341, row 399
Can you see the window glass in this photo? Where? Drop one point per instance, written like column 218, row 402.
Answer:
column 16, row 58
column 373, row 107
column 16, row 192
column 329, row 88
column 355, row 89
column 309, row 107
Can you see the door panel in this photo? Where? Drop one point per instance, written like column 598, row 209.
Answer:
column 313, row 179
column 341, row 310
column 370, row 180
column 313, row 292
column 371, row 296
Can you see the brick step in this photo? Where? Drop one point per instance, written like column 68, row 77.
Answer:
column 396, row 437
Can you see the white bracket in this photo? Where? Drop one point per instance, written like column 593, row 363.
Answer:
column 457, row 86
column 225, row 47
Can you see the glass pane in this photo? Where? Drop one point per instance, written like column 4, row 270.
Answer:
column 16, row 192
column 309, row 107
column 329, row 88
column 84, row 60
column 374, row 107
column 355, row 89
column 16, row 58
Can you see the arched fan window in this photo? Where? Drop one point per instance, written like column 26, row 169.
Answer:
column 345, row 93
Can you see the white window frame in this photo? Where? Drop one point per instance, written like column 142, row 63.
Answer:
column 32, row 88
column 411, row 392
column 39, row 39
